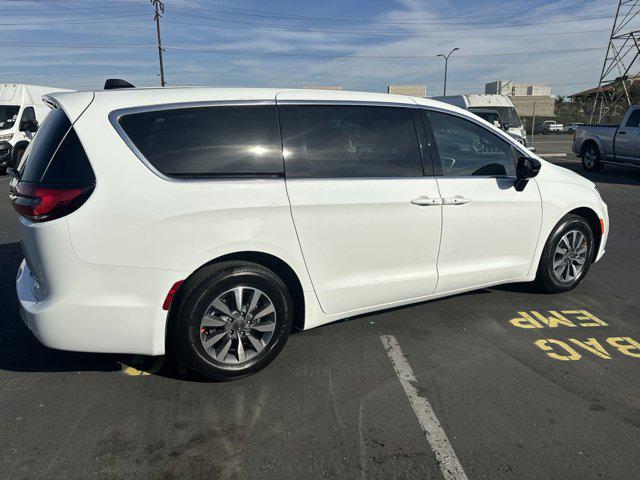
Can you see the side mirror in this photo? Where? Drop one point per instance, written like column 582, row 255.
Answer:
column 526, row 168
column 29, row 126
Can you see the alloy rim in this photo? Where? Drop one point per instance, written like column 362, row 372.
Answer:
column 590, row 158
column 237, row 325
column 570, row 256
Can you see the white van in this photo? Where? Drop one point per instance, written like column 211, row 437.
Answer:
column 216, row 220
column 21, row 111
column 499, row 103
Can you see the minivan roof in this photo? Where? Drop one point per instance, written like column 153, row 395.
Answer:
column 129, row 97
column 75, row 103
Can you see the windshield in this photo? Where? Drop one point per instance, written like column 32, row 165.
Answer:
column 490, row 117
column 508, row 115
column 8, row 116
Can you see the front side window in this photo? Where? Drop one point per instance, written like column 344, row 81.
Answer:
column 8, row 116
column 634, row 119
column 360, row 141
column 208, row 141
column 467, row 149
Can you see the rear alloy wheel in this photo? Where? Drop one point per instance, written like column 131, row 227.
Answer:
column 238, row 325
column 591, row 161
column 232, row 320
column 567, row 255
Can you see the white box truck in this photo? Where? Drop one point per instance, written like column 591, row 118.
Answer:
column 21, row 112
column 498, row 103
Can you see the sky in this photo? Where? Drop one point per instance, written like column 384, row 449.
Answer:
column 358, row 44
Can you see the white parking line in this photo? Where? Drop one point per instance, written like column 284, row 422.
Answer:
column 436, row 437
column 553, row 155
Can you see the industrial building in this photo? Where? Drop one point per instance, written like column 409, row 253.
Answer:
column 323, row 87
column 510, row 88
column 410, row 90
column 525, row 97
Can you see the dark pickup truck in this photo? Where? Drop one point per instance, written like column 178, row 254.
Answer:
column 600, row 144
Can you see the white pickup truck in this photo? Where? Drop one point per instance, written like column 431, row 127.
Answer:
column 549, row 126
column 600, row 144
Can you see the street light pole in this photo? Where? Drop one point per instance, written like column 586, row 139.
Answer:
column 446, row 65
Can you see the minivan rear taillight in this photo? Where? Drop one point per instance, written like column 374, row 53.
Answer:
column 40, row 203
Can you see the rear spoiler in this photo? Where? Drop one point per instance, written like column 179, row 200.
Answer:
column 72, row 103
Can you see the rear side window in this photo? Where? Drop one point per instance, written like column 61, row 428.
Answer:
column 360, row 141
column 56, row 156
column 208, row 141
column 634, row 119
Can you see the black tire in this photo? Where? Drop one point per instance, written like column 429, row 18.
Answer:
column 547, row 280
column 196, row 297
column 591, row 158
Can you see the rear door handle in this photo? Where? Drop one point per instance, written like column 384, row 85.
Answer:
column 426, row 201
column 455, row 201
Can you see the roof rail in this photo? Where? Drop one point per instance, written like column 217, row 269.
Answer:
column 113, row 83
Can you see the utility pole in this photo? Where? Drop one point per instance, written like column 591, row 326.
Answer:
column 159, row 10
column 619, row 72
column 533, row 121
column 446, row 64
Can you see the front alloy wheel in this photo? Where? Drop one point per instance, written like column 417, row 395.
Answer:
column 570, row 256
column 567, row 255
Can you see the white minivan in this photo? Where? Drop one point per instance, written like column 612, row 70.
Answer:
column 21, row 111
column 215, row 221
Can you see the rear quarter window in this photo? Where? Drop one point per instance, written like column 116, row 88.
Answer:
column 56, row 156
column 208, row 141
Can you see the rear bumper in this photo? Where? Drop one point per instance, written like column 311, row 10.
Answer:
column 73, row 305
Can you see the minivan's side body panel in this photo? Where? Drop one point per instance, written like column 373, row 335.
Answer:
column 473, row 254
column 364, row 242
column 470, row 252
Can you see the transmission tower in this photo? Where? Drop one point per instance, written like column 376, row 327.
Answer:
column 158, row 7
column 621, row 64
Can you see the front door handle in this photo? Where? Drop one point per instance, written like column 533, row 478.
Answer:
column 455, row 201
column 426, row 201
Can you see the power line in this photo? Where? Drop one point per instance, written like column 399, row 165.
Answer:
column 375, row 57
column 465, row 26
column 105, row 19
column 269, row 14
column 295, row 54
column 394, row 35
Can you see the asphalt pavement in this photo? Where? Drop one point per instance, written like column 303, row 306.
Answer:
column 523, row 385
